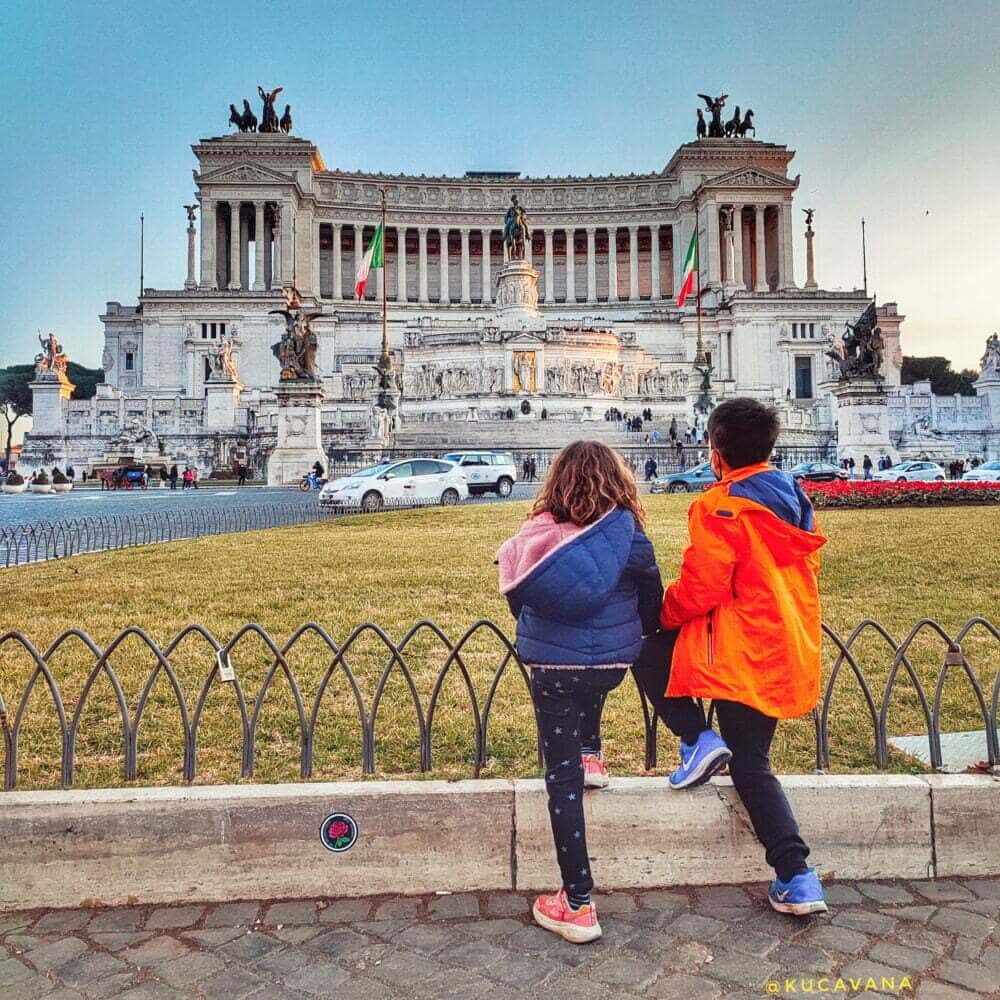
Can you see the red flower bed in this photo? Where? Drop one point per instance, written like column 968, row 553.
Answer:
column 868, row 493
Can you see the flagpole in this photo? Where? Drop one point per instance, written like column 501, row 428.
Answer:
column 699, row 354
column 864, row 258
column 385, row 333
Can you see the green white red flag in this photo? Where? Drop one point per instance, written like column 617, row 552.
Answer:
column 690, row 270
column 373, row 258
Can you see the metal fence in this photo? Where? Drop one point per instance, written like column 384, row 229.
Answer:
column 399, row 659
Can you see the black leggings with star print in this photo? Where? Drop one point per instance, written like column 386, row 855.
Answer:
column 568, row 706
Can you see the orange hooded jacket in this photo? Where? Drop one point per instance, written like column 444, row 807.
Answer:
column 747, row 599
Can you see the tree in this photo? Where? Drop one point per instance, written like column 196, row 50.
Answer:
column 937, row 371
column 15, row 396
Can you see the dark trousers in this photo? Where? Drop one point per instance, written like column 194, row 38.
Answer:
column 748, row 733
column 568, row 706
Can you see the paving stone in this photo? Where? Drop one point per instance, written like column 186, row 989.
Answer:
column 940, row 890
column 49, row 957
column 20, row 943
column 213, row 937
column 61, row 921
column 684, row 956
column 916, row 914
column 116, row 940
column 122, row 918
column 615, row 902
column 231, row 984
column 532, row 939
column 90, row 967
column 477, row 955
column 358, row 988
column 695, row 926
column 664, row 900
column 838, row 894
column 427, row 939
column 247, row 947
column 958, row 921
column 928, row 990
column 282, row 963
column 969, row 976
column 864, row 921
column 402, row 906
column 884, row 892
column 191, row 968
column 987, row 907
column 232, row 915
column 12, row 970
column 153, row 991
column 984, row 888
column 991, row 957
column 345, row 911
column 291, row 913
column 679, row 986
column 387, row 930
column 723, row 896
column 452, row 907
column 798, row 959
column 10, row 922
column 153, row 952
column 918, row 936
column 751, row 943
column 506, row 904
column 967, row 949
column 528, row 970
column 297, row 934
column 338, row 943
column 172, row 917
column 865, row 970
column 112, row 986
column 65, row 994
column 839, row 939
column 620, row 970
column 747, row 970
column 36, row 985
column 404, row 968
column 911, row 959
column 500, row 928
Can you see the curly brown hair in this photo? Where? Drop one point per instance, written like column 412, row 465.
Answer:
column 584, row 482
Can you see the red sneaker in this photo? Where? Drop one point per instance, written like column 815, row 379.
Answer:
column 554, row 914
column 595, row 772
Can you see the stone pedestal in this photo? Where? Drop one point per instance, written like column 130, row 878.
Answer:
column 300, row 442
column 862, row 420
column 222, row 396
column 517, row 295
column 48, row 393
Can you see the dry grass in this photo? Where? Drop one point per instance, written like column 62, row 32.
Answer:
column 894, row 565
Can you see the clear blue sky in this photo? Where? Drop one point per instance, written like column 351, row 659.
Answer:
column 890, row 107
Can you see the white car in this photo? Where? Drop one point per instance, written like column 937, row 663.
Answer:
column 411, row 482
column 486, row 471
column 911, row 472
column 988, row 472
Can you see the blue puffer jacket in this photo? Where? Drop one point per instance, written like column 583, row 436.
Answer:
column 582, row 596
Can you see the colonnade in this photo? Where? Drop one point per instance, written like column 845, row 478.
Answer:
column 227, row 230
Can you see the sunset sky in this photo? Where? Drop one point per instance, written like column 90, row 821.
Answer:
column 889, row 107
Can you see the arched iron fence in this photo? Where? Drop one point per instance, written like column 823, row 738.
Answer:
column 398, row 660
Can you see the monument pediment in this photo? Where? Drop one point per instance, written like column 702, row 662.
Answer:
column 751, row 177
column 526, row 337
column 244, row 173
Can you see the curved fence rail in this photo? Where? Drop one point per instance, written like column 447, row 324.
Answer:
column 400, row 660
column 45, row 540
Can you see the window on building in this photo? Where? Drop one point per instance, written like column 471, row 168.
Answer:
column 208, row 368
column 129, row 361
column 222, row 329
column 795, row 331
column 812, row 331
column 212, row 330
column 803, row 378
column 204, row 331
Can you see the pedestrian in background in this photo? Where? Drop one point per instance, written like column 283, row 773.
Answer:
column 866, row 466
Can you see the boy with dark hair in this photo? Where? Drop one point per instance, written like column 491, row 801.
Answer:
column 747, row 606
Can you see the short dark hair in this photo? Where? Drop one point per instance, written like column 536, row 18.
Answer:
column 743, row 431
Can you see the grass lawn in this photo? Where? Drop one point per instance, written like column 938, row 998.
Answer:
column 896, row 566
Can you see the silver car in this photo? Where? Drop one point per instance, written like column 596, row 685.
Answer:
column 988, row 472
column 912, row 472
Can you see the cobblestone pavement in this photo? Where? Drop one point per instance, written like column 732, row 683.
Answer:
column 937, row 940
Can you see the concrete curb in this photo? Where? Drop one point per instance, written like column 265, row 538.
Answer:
column 156, row 845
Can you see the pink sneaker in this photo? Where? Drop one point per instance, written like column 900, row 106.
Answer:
column 595, row 771
column 554, row 914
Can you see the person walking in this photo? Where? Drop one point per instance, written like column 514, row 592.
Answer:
column 242, row 471
column 532, row 469
column 186, row 478
column 866, row 467
column 173, row 477
column 581, row 579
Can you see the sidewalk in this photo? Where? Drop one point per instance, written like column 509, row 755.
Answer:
column 937, row 940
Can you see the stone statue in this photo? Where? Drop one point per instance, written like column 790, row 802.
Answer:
column 296, row 351
column 52, row 362
column 727, row 213
column 107, row 360
column 134, row 432
column 249, row 118
column 515, row 230
column 989, row 364
column 715, row 130
column 190, row 209
column 286, row 120
column 809, row 213
column 269, row 120
column 235, row 118
column 702, row 127
column 524, row 371
column 861, row 350
column 746, row 126
column 223, row 362
column 733, row 125
column 703, row 404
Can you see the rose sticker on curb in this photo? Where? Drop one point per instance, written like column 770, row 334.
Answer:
column 339, row 832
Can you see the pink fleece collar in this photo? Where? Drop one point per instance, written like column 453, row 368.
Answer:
column 539, row 538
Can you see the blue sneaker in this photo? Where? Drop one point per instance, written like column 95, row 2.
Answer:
column 802, row 895
column 699, row 762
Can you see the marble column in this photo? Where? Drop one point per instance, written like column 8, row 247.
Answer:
column 190, row 281
column 422, row 264
column 570, row 266
column 737, row 276
column 787, row 255
column 400, row 263
column 338, row 261
column 654, row 261
column 244, row 252
column 316, row 287
column 760, row 283
column 359, row 249
column 633, row 263
column 487, row 267
column 529, row 250
column 612, row 263
column 713, row 245
column 591, row 264
column 234, row 246
column 276, row 264
column 810, row 265
column 466, row 272
column 259, row 242
column 208, row 225
column 288, row 275
column 550, row 284
column 443, row 263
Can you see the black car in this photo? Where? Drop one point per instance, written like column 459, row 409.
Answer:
column 818, row 472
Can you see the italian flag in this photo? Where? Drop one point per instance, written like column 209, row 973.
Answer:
column 372, row 258
column 690, row 270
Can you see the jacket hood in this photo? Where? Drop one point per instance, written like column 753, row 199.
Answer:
column 567, row 566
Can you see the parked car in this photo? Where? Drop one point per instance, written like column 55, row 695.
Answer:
column 988, row 472
column 911, row 472
column 412, row 482
column 486, row 471
column 691, row 481
column 817, row 472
